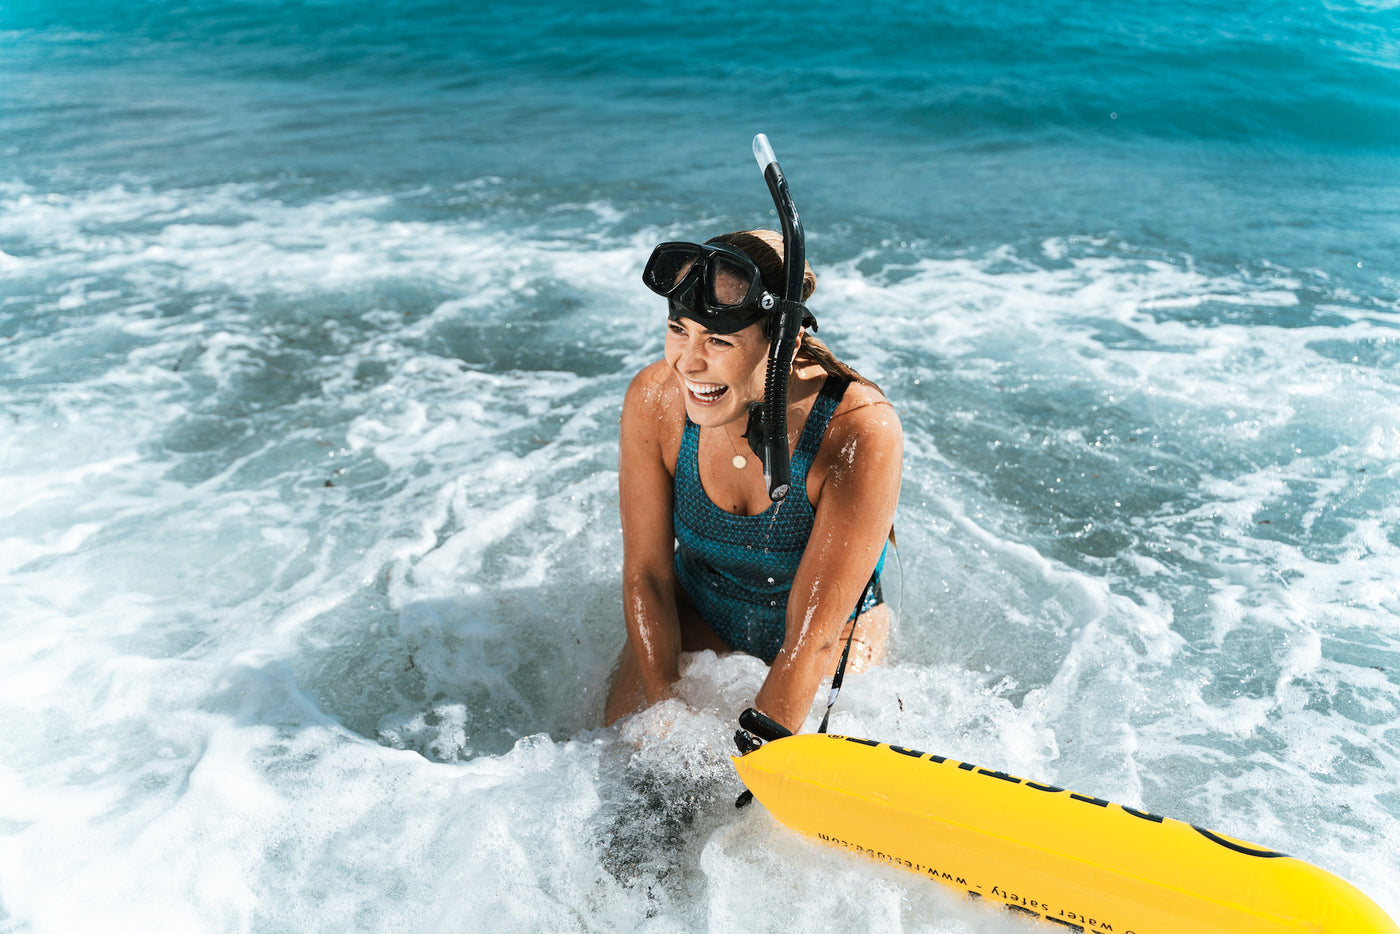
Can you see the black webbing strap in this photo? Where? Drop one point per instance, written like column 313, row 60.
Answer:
column 845, row 656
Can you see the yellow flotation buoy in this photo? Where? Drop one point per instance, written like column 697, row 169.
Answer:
column 1073, row 859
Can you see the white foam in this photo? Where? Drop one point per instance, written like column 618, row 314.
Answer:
column 207, row 654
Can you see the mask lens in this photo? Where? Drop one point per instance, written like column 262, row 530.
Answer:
column 668, row 266
column 730, row 283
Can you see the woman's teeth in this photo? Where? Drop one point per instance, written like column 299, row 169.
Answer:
column 706, row 392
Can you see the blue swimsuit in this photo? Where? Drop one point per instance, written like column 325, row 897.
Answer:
column 737, row 570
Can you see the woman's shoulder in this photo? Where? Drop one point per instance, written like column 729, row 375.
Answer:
column 653, row 390
column 653, row 416
column 863, row 443
column 865, row 411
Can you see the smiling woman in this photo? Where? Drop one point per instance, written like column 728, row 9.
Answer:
column 312, row 354
column 709, row 561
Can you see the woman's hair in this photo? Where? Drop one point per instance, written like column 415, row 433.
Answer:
column 765, row 248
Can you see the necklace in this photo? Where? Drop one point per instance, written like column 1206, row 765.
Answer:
column 739, row 461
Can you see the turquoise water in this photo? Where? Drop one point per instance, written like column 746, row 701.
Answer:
column 315, row 320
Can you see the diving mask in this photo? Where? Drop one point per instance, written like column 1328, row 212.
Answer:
column 714, row 284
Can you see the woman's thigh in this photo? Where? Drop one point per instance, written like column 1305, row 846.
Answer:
column 696, row 634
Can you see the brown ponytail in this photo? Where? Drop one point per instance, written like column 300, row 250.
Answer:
column 813, row 350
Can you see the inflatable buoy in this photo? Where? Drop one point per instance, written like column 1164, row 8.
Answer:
column 1073, row 859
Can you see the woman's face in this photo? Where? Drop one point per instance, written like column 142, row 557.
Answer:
column 719, row 374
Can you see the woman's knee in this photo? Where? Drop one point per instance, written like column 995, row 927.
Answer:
column 871, row 639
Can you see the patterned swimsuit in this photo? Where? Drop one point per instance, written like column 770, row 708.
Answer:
column 737, row 570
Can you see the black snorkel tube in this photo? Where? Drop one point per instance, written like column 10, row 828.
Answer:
column 767, row 429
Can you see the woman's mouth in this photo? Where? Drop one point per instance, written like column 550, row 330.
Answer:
column 706, row 393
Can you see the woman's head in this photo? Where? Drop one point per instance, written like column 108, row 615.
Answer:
column 720, row 360
column 721, row 294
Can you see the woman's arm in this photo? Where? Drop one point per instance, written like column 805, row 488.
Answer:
column 862, row 457
column 646, row 487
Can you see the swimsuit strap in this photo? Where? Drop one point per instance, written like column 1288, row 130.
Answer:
column 823, row 409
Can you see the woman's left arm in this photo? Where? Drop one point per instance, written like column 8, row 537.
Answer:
column 863, row 453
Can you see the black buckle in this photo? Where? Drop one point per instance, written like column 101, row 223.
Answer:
column 755, row 729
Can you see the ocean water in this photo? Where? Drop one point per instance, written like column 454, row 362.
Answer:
column 315, row 320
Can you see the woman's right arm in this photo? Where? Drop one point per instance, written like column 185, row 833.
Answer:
column 646, row 486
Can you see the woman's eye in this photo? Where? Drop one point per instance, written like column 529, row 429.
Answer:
column 719, row 342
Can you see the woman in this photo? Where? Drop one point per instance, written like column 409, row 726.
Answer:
column 709, row 562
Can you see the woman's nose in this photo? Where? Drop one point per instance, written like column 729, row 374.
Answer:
column 691, row 360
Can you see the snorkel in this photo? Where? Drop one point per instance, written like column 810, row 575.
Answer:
column 767, row 430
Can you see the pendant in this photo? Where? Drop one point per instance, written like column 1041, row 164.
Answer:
column 739, row 462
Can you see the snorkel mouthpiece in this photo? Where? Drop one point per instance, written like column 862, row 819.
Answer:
column 767, row 433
